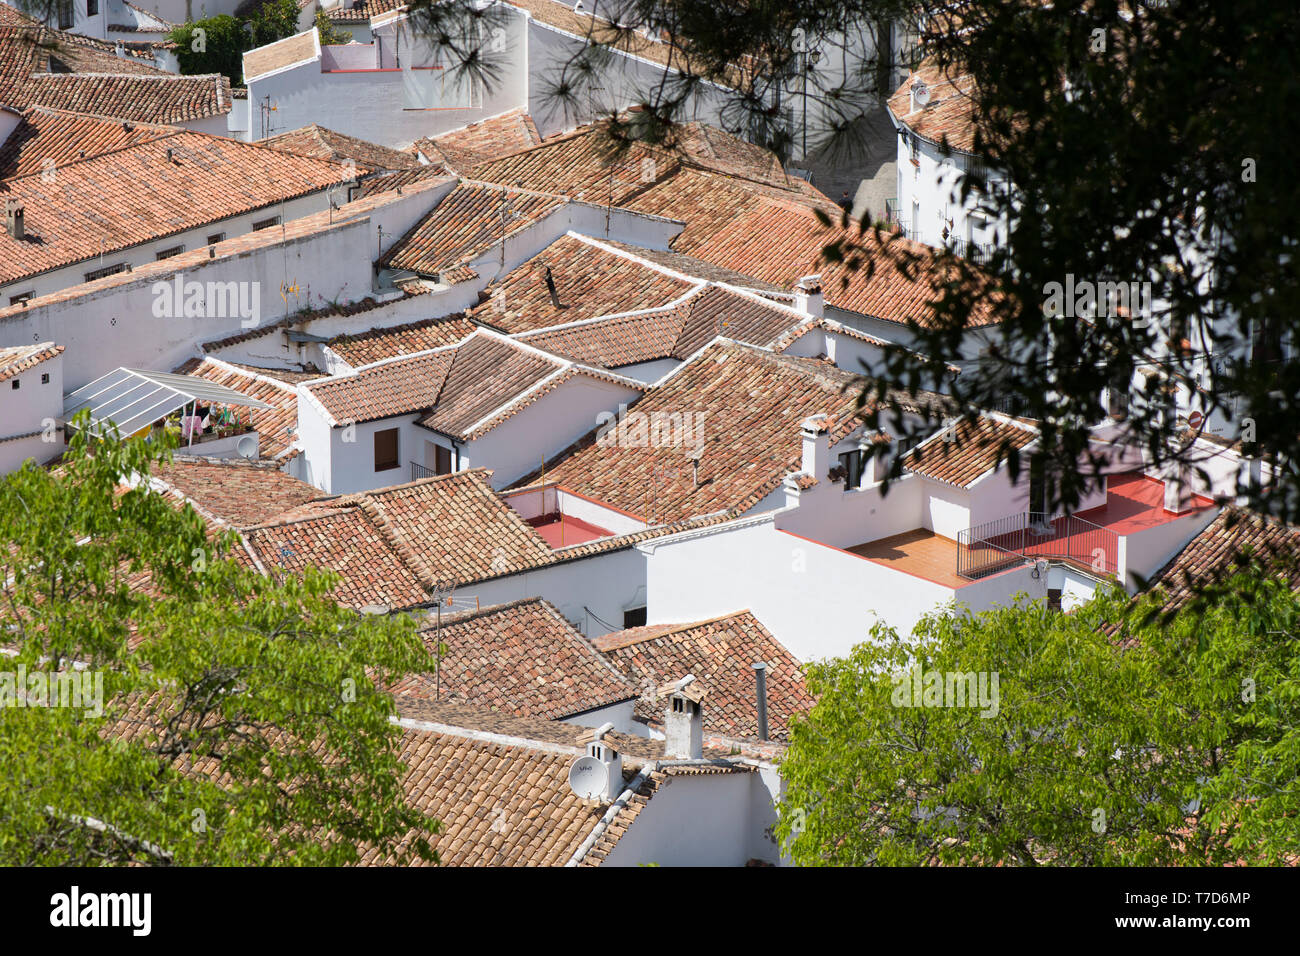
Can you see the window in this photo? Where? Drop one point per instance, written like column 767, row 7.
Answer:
column 92, row 8
column 168, row 253
column 15, row 384
column 851, row 462
column 386, row 449
column 45, row 378
column 15, row 299
column 1054, row 599
column 266, row 223
column 634, row 617
column 66, row 14
column 442, row 461
column 215, row 238
column 94, row 274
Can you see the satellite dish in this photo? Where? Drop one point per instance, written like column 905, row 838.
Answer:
column 588, row 778
column 920, row 93
column 247, row 447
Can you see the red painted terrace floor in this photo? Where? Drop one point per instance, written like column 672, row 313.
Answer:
column 561, row 531
column 1135, row 502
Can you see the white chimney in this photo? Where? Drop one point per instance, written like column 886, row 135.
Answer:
column 815, row 433
column 1176, row 493
column 683, row 719
column 808, row 295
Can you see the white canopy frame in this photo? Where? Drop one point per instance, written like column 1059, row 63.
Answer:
column 131, row 399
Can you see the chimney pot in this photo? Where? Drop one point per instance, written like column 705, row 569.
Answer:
column 684, row 720
column 816, row 447
column 15, row 223
column 808, row 296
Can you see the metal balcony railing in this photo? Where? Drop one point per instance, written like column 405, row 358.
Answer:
column 418, row 471
column 997, row 545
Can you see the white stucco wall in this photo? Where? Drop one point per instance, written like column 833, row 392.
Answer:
column 26, row 409
column 608, row 583
column 706, row 820
column 371, row 103
column 817, row 600
column 520, row 444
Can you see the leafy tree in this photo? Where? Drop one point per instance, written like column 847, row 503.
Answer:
column 330, row 35
column 214, row 45
column 239, row 721
column 1154, row 743
column 1141, row 149
column 272, row 21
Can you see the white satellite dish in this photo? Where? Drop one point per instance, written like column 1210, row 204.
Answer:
column 588, row 778
column 920, row 93
column 247, row 447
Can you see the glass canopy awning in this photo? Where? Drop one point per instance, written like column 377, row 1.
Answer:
column 131, row 399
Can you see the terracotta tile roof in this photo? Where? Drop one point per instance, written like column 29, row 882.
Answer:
column 345, row 541
column 228, row 250
column 399, row 180
column 487, row 372
column 453, row 528
column 521, row 658
column 675, row 332
column 949, row 114
column 500, row 804
column 59, row 136
column 321, row 143
column 16, row 359
column 272, row 425
column 168, row 98
column 42, row 67
column 459, row 386
column 482, row 141
column 97, row 206
column 780, row 240
column 1233, row 538
column 972, row 452
column 615, row 341
column 280, row 54
column 689, row 265
column 741, row 213
column 360, row 11
column 364, row 348
column 752, row 401
column 393, row 545
column 236, row 493
column 31, row 48
column 720, row 653
column 467, row 223
column 590, row 280
column 390, row 387
column 12, row 17
column 581, row 164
